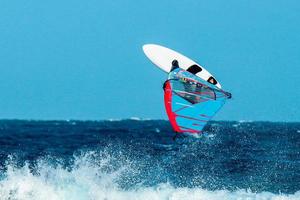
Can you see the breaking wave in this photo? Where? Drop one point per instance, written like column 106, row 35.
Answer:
column 101, row 176
column 138, row 159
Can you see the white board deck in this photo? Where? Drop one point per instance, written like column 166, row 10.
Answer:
column 162, row 57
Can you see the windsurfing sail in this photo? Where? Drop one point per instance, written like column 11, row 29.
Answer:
column 191, row 102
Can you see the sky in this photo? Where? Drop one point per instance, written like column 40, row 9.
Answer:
column 83, row 59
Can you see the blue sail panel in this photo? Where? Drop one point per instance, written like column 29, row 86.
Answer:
column 191, row 102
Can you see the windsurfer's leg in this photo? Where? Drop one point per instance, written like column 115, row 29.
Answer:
column 175, row 136
column 179, row 135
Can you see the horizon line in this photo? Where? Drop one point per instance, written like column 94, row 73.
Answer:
column 137, row 119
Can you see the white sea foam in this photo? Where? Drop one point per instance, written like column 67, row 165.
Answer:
column 114, row 120
column 131, row 118
column 139, row 119
column 245, row 121
column 90, row 180
column 135, row 118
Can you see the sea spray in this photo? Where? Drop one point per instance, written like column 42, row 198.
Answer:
column 91, row 178
column 130, row 159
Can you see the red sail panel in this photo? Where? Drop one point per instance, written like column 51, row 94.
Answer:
column 168, row 106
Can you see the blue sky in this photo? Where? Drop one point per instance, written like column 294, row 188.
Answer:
column 84, row 60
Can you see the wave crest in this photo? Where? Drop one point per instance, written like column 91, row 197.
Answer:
column 97, row 176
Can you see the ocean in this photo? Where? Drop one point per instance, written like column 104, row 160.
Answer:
column 139, row 159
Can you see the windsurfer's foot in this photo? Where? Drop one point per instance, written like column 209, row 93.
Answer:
column 175, row 63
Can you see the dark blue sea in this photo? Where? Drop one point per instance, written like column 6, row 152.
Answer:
column 139, row 159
